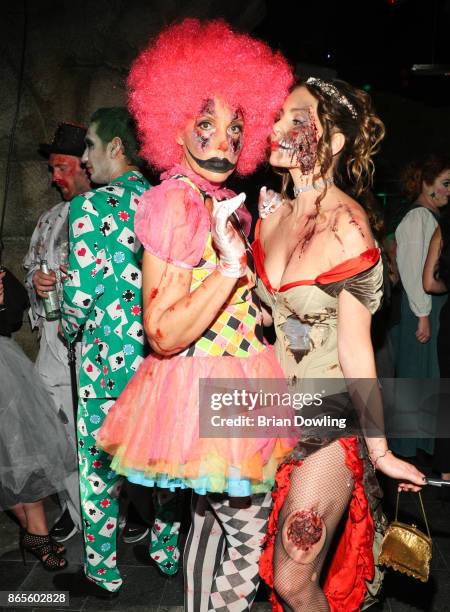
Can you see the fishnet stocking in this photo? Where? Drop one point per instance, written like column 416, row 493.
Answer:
column 323, row 483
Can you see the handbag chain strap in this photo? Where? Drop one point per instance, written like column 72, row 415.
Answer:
column 423, row 511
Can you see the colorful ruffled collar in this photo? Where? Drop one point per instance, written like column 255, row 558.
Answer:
column 212, row 189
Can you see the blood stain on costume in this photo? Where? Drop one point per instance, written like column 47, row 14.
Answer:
column 305, row 529
column 153, row 293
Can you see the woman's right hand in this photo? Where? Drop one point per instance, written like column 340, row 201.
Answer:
column 269, row 201
column 423, row 333
column 409, row 477
column 230, row 246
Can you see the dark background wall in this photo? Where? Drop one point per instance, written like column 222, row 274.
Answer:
column 77, row 56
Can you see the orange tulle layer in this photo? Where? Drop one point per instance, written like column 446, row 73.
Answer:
column 352, row 563
column 153, row 428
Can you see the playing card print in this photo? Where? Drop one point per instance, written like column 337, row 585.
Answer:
column 108, row 528
column 136, row 331
column 134, row 201
column 97, row 484
column 108, row 225
column 81, row 299
column 94, row 513
column 105, row 406
column 132, row 275
column 111, row 560
column 83, row 254
column 116, row 361
column 93, row 556
column 98, row 314
column 136, row 363
column 73, row 277
column 87, row 392
column 87, row 204
column 103, row 298
column 128, row 239
column 82, row 225
column 82, row 427
column 91, row 370
column 112, row 190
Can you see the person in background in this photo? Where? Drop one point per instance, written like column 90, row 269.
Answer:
column 102, row 301
column 36, row 454
column 436, row 279
column 50, row 241
column 427, row 185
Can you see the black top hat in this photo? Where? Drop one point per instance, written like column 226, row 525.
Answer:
column 68, row 140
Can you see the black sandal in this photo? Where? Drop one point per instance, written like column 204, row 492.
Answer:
column 57, row 547
column 42, row 548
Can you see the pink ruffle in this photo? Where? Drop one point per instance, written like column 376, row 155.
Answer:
column 172, row 223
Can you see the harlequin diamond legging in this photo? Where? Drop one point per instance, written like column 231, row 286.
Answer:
column 222, row 551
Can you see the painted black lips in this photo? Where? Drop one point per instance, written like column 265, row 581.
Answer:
column 214, row 164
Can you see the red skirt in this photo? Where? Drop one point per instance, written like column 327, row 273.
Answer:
column 352, row 564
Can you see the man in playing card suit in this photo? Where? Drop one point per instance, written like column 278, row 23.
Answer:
column 101, row 296
column 50, row 241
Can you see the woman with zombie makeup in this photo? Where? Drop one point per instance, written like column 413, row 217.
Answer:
column 436, row 280
column 322, row 278
column 427, row 186
column 202, row 114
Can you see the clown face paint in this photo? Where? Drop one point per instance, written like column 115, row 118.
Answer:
column 296, row 133
column 439, row 190
column 68, row 175
column 97, row 157
column 212, row 141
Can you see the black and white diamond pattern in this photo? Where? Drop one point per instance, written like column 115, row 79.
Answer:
column 237, row 579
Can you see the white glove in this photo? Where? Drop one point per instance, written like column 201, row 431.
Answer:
column 230, row 246
column 269, row 201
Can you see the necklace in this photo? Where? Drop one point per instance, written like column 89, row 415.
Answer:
column 319, row 185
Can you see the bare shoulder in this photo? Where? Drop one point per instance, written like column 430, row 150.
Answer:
column 352, row 227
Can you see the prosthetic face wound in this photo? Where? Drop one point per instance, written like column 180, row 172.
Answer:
column 294, row 143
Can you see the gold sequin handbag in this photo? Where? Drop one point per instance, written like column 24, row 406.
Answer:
column 407, row 549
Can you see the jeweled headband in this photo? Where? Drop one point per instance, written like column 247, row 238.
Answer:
column 333, row 92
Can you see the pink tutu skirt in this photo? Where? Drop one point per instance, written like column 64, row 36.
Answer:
column 153, row 428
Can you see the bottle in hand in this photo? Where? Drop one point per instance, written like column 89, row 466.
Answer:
column 51, row 302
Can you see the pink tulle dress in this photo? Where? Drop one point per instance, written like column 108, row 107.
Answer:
column 153, row 428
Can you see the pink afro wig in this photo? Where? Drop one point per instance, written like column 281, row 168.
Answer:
column 193, row 61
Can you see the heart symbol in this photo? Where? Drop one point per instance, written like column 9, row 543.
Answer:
column 118, row 307
column 80, row 225
column 156, row 557
column 81, row 252
column 89, row 368
column 109, row 525
column 98, row 261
